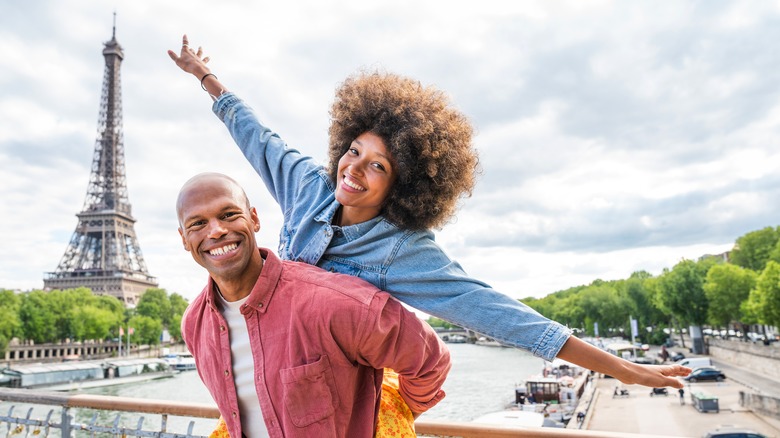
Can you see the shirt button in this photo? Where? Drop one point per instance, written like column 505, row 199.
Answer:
column 234, row 414
column 227, row 372
column 222, row 328
column 259, row 305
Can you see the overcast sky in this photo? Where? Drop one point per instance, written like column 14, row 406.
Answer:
column 613, row 136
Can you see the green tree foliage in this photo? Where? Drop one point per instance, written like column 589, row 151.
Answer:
column 754, row 249
column 178, row 305
column 440, row 323
column 154, row 303
column 727, row 286
column 91, row 322
column 146, row 330
column 765, row 298
column 38, row 317
column 10, row 325
column 682, row 292
column 601, row 303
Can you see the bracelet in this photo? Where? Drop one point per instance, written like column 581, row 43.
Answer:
column 204, row 78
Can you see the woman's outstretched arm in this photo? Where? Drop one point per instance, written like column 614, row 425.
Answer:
column 581, row 353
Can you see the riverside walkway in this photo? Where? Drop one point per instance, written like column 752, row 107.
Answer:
column 663, row 415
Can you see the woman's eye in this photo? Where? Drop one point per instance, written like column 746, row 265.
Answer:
column 379, row 166
column 353, row 151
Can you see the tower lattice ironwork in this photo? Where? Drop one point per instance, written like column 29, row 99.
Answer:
column 103, row 253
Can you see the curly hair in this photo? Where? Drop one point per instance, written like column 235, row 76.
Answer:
column 430, row 143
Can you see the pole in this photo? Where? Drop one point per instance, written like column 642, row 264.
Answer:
column 127, row 350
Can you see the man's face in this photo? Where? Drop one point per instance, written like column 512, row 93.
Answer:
column 217, row 227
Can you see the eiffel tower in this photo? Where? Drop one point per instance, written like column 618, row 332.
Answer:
column 103, row 253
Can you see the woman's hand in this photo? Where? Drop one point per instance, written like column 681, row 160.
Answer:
column 189, row 60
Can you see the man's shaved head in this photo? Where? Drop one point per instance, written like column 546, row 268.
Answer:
column 208, row 178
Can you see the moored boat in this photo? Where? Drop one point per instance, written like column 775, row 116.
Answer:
column 180, row 361
column 67, row 376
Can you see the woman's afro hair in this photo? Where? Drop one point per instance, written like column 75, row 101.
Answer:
column 429, row 140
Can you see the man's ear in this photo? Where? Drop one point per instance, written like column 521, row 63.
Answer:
column 255, row 219
column 183, row 240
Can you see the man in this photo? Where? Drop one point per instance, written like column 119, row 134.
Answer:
column 285, row 348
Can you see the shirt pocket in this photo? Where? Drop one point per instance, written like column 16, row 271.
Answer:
column 310, row 392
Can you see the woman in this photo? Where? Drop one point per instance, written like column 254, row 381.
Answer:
column 400, row 157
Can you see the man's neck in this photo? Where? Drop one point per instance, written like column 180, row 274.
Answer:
column 234, row 289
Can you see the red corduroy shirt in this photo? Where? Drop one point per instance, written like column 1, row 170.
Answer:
column 320, row 342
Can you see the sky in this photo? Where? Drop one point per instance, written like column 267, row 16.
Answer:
column 613, row 136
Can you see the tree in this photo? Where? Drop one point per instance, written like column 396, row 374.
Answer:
column 681, row 291
column 146, row 330
column 10, row 325
column 727, row 286
column 601, row 303
column 753, row 250
column 178, row 305
column 765, row 298
column 154, row 303
column 91, row 322
column 39, row 320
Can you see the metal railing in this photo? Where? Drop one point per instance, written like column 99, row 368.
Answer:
column 27, row 426
column 64, row 421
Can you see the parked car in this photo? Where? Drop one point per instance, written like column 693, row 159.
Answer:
column 733, row 432
column 676, row 356
column 695, row 362
column 705, row 374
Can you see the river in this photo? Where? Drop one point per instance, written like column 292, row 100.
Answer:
column 482, row 380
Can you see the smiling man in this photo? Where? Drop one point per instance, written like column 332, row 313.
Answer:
column 287, row 349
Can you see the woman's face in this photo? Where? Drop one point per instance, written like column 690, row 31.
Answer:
column 365, row 175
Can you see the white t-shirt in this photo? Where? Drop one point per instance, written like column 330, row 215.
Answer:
column 243, row 370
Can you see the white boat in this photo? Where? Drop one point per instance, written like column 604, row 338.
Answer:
column 512, row 417
column 180, row 361
column 66, row 376
column 518, row 418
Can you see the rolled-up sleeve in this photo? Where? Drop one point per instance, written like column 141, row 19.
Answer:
column 396, row 338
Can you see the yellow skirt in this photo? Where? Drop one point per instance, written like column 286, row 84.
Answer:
column 395, row 419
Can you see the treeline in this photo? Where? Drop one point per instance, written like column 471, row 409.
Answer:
column 79, row 315
column 741, row 291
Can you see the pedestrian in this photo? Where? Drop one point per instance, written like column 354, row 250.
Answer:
column 682, row 396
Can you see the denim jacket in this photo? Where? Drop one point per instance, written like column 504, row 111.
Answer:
column 407, row 264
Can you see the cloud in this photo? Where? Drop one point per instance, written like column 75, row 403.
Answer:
column 613, row 136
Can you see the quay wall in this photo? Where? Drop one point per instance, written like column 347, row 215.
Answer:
column 29, row 352
column 756, row 357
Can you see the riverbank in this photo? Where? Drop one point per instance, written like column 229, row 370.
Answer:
column 663, row 415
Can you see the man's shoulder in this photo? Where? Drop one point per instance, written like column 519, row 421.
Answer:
column 195, row 307
column 321, row 281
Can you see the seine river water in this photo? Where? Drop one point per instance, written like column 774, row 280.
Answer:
column 482, row 380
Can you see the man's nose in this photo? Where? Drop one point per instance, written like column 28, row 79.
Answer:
column 216, row 229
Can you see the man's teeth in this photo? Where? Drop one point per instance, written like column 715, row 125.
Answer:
column 348, row 181
column 224, row 250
